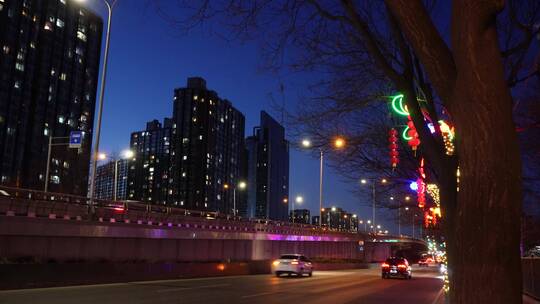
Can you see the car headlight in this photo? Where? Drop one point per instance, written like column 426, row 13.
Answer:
column 275, row 263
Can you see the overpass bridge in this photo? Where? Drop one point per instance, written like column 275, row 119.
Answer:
column 59, row 227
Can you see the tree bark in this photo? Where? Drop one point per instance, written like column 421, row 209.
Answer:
column 486, row 267
column 483, row 227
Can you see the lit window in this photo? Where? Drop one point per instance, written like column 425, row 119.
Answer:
column 185, row 157
column 59, row 23
column 200, row 137
column 19, row 66
column 63, row 1
column 46, row 132
column 183, row 174
column 81, row 35
column 61, row 119
column 195, row 97
column 47, row 26
column 17, row 84
column 1, row 6
column 63, row 76
column 5, row 49
column 32, row 45
column 55, row 179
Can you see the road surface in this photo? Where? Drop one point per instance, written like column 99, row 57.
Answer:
column 348, row 286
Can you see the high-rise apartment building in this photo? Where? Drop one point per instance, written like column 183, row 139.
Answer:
column 208, row 149
column 107, row 176
column 196, row 159
column 49, row 64
column 268, row 171
column 149, row 176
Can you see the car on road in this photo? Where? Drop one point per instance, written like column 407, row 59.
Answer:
column 296, row 264
column 396, row 267
column 425, row 260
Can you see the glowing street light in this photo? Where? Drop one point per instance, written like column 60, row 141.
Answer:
column 241, row 185
column 407, row 198
column 306, row 143
column 299, row 200
column 102, row 156
column 128, row 154
column 339, row 142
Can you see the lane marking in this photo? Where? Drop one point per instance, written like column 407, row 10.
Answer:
column 258, row 295
column 194, row 287
column 438, row 296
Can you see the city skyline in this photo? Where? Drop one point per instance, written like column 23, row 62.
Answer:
column 151, row 84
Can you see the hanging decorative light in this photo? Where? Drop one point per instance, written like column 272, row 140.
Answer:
column 392, row 138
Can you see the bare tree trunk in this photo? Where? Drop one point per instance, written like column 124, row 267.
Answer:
column 486, row 267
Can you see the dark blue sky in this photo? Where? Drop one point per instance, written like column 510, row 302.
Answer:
column 149, row 58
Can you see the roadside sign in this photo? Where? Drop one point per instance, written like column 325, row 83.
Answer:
column 75, row 139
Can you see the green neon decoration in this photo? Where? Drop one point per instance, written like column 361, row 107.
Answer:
column 397, row 105
column 404, row 134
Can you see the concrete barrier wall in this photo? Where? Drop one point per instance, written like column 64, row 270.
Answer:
column 66, row 240
column 531, row 276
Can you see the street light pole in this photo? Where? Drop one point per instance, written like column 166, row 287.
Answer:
column 234, row 201
column 95, row 152
column 49, row 152
column 373, row 195
column 320, row 187
column 115, row 179
column 48, row 165
column 399, row 217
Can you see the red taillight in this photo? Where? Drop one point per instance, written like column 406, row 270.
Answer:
column 402, row 266
column 384, row 265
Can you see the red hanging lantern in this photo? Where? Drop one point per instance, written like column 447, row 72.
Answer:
column 392, row 138
column 413, row 141
column 421, row 193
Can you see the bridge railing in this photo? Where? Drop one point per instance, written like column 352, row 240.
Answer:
column 32, row 203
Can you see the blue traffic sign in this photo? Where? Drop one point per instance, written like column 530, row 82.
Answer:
column 75, row 139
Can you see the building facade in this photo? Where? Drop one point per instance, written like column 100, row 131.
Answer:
column 196, row 159
column 149, row 174
column 109, row 174
column 301, row 216
column 49, row 64
column 208, row 148
column 337, row 219
column 268, row 171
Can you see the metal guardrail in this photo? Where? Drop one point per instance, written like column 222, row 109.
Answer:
column 530, row 267
column 25, row 202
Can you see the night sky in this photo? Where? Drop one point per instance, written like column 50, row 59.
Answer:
column 149, row 57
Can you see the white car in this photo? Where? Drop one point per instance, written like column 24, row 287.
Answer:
column 292, row 264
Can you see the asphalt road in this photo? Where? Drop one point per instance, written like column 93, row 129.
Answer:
column 352, row 286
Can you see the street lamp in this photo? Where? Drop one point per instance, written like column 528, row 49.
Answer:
column 339, row 142
column 127, row 154
column 110, row 5
column 299, row 200
column 373, row 184
column 241, row 186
